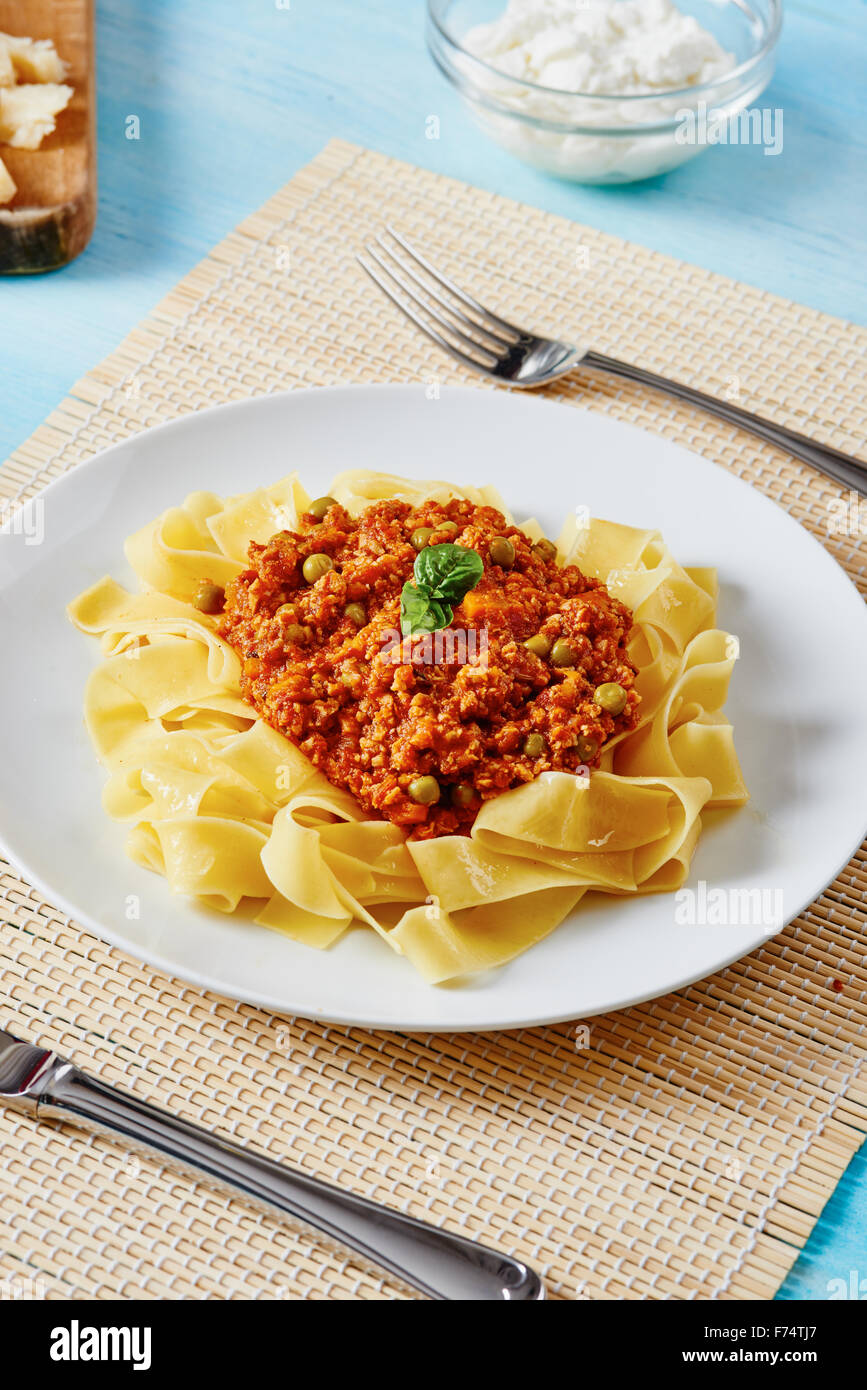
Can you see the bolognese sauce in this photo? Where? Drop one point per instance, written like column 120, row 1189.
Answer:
column 530, row 675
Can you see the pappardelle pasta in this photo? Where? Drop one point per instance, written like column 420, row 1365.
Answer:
column 459, row 812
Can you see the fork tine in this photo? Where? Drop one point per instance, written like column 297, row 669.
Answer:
column 439, row 299
column 452, row 287
column 428, row 308
column 431, row 333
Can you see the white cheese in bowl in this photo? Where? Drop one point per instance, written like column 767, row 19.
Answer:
column 577, row 57
column 600, row 47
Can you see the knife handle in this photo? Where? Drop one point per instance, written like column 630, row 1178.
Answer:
column 434, row 1262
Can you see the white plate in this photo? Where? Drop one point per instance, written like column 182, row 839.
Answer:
column 797, row 699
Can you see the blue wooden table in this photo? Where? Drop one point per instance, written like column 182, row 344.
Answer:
column 233, row 96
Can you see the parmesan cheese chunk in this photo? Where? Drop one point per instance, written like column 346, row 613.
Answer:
column 31, row 60
column 7, row 71
column 28, row 113
column 7, row 184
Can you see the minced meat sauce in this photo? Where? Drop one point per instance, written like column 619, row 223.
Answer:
column 422, row 730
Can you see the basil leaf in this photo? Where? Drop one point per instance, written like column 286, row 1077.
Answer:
column 443, row 575
column 421, row 613
column 447, row 572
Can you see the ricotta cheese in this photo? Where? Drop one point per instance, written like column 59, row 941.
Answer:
column 576, row 58
column 600, row 47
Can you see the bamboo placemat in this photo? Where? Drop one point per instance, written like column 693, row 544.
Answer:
column 685, row 1147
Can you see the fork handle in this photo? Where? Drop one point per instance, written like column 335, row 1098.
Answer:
column 844, row 469
column 437, row 1263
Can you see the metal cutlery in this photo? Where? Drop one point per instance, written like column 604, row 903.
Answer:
column 486, row 343
column 437, row 1263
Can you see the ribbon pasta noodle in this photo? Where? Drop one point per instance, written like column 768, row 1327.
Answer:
column 233, row 814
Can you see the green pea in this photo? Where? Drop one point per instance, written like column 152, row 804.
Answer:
column 545, row 549
column 419, row 539
column 586, row 748
column 502, row 552
column 424, row 790
column 538, row 645
column 611, row 697
column 295, row 632
column 356, row 612
column 209, row 598
column 535, row 746
column 562, row 654
column 463, row 794
column 319, row 506
column 451, row 527
column 315, row 566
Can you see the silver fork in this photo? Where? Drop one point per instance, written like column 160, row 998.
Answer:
column 489, row 344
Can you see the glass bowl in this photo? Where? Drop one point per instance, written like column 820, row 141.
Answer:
column 615, row 139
